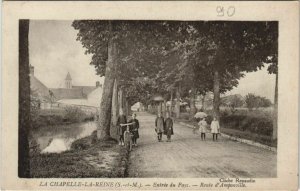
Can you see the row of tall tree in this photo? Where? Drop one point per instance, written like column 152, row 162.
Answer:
column 250, row 101
column 174, row 58
column 141, row 58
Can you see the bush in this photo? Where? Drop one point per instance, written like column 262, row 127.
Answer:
column 259, row 125
column 74, row 114
column 84, row 143
column 53, row 117
column 185, row 116
column 253, row 101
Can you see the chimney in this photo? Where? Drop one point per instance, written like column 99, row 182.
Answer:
column 31, row 68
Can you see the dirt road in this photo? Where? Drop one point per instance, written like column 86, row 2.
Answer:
column 189, row 157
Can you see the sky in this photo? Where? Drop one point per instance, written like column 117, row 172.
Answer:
column 54, row 51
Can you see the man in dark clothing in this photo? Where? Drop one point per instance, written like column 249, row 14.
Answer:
column 168, row 127
column 159, row 126
column 121, row 127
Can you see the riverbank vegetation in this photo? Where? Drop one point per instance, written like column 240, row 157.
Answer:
column 87, row 158
column 60, row 116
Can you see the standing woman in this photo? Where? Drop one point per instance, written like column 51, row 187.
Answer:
column 134, row 129
column 168, row 127
column 215, row 128
column 159, row 126
column 121, row 127
column 202, row 128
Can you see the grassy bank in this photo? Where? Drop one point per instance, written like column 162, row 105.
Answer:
column 87, row 158
column 63, row 116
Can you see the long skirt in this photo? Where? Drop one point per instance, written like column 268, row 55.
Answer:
column 135, row 134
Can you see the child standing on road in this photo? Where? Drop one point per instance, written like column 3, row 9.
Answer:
column 215, row 128
column 159, row 126
column 168, row 127
column 202, row 128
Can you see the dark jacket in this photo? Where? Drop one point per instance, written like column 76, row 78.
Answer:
column 169, row 126
column 134, row 128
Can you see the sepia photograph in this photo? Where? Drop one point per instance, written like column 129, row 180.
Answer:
column 150, row 96
column 148, row 99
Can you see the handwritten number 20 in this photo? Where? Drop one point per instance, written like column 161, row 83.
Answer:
column 230, row 11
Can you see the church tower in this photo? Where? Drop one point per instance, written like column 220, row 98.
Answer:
column 68, row 81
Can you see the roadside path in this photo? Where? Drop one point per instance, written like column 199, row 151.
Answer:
column 189, row 157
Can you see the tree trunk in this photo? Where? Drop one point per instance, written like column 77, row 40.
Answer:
column 159, row 108
column 192, row 103
column 275, row 114
column 165, row 108
column 115, row 104
column 120, row 99
column 103, row 131
column 171, row 106
column 127, row 108
column 216, row 103
column 203, row 102
column 177, row 103
column 115, row 110
column 24, row 101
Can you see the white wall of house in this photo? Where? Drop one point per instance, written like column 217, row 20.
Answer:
column 94, row 98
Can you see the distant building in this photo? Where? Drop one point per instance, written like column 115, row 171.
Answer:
column 138, row 106
column 70, row 91
column 39, row 91
column 86, row 97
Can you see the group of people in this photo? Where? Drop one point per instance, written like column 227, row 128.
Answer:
column 164, row 126
column 128, row 131
column 215, row 128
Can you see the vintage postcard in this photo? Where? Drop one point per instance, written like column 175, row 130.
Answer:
column 150, row 95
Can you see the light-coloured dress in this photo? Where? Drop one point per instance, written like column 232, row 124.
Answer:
column 202, row 126
column 215, row 127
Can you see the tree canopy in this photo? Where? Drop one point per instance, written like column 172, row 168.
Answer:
column 191, row 57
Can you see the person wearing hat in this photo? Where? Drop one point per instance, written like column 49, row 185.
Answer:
column 159, row 126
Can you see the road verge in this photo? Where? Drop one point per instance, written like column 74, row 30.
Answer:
column 249, row 142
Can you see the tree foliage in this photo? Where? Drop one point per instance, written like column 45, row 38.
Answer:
column 254, row 101
column 159, row 56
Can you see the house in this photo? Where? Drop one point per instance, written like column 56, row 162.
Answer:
column 85, row 97
column 39, row 91
column 70, row 91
